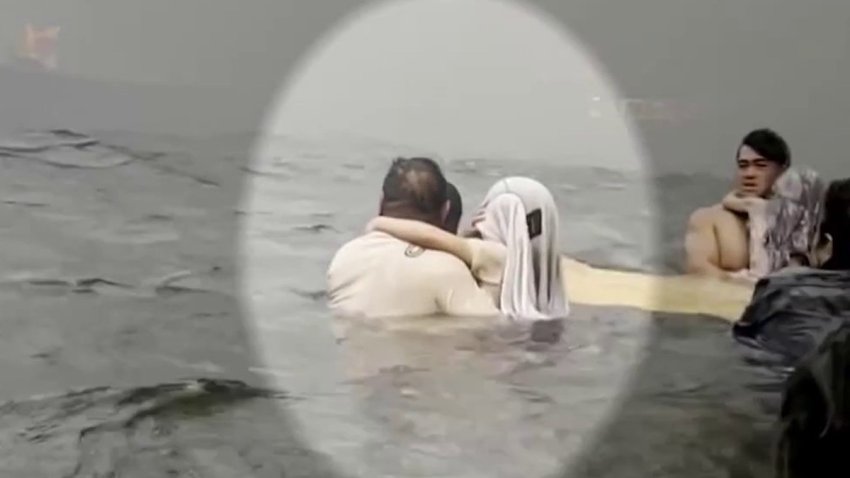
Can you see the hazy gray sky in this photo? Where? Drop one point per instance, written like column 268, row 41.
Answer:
column 741, row 64
column 461, row 78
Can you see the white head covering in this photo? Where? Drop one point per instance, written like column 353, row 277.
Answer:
column 531, row 282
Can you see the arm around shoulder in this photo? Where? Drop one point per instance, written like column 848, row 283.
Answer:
column 458, row 294
column 423, row 235
column 744, row 204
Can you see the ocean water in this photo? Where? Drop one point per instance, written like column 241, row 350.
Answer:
column 164, row 316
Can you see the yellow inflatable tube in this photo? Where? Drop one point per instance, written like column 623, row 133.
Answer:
column 656, row 293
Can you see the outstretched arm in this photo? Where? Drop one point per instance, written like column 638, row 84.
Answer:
column 423, row 235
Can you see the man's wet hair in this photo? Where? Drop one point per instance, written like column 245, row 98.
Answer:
column 416, row 185
column 768, row 144
column 455, row 208
column 836, row 223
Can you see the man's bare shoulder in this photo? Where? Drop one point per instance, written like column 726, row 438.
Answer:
column 705, row 216
column 709, row 215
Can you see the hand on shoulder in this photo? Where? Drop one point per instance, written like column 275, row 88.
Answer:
column 747, row 204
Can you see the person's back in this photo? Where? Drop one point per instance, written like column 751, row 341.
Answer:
column 377, row 275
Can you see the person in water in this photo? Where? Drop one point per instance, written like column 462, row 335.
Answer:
column 813, row 437
column 511, row 249
column 833, row 251
column 784, row 227
column 716, row 242
column 378, row 275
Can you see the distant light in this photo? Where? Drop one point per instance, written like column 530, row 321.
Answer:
column 39, row 45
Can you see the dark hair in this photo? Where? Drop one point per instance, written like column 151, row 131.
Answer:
column 836, row 223
column 455, row 208
column 416, row 185
column 769, row 144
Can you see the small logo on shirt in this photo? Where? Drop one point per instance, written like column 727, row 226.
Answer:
column 413, row 251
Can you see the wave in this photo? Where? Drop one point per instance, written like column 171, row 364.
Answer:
column 141, row 431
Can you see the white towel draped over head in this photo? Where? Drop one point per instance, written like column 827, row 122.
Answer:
column 532, row 286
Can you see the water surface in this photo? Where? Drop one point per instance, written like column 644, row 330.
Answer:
column 130, row 274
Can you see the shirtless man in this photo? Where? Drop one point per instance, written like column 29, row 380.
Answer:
column 717, row 241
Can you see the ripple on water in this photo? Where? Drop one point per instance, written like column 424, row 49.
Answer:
column 169, row 429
